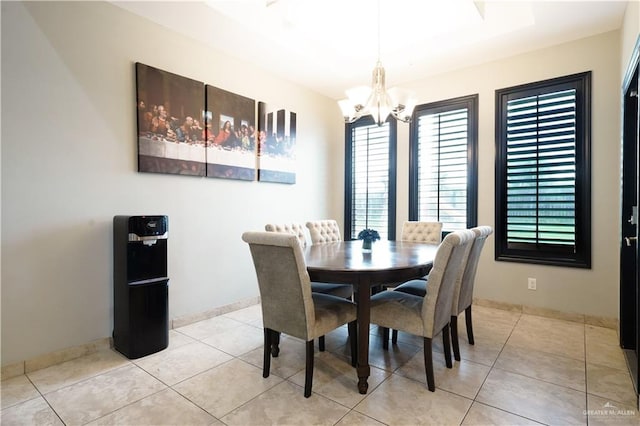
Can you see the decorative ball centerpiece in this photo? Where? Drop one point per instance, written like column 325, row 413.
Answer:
column 368, row 236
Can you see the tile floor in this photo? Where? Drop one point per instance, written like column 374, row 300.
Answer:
column 522, row 370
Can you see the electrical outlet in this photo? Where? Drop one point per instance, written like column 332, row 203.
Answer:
column 531, row 283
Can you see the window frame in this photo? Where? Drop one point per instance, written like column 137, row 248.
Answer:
column 471, row 103
column 348, row 179
column 581, row 257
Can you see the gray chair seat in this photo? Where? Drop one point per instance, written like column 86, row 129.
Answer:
column 340, row 290
column 415, row 287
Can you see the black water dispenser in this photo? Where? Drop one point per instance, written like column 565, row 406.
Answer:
column 140, row 285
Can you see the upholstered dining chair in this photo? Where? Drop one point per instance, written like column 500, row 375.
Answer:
column 428, row 315
column 417, row 232
column 288, row 304
column 463, row 293
column 422, row 232
column 334, row 289
column 324, row 231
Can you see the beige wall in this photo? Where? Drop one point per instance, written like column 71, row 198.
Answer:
column 591, row 292
column 69, row 165
column 630, row 32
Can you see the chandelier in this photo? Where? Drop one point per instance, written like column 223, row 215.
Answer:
column 376, row 100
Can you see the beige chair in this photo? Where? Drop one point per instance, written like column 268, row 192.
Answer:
column 288, row 305
column 417, row 232
column 429, row 315
column 340, row 290
column 324, row 231
column 463, row 294
column 422, row 232
column 334, row 289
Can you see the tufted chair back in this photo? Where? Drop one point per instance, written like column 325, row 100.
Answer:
column 324, row 231
column 296, row 229
column 422, row 232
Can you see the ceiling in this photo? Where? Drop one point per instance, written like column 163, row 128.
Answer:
column 332, row 45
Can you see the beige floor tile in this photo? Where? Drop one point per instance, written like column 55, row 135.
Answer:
column 336, row 379
column 464, row 378
column 556, row 369
column 238, row 340
column 226, row 387
column 67, row 373
column 485, row 350
column 285, row 404
column 177, row 339
column 541, row 401
column 396, row 402
column 603, row 412
column 603, row 348
column 483, row 415
column 489, row 323
column 100, row 395
column 16, row 390
column 203, row 329
column 357, row 419
column 247, row 315
column 610, row 383
column 337, row 338
column 166, row 407
column 549, row 335
column 172, row 366
column 290, row 360
column 33, row 412
column 394, row 357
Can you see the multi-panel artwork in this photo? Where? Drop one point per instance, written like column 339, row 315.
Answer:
column 189, row 128
column 276, row 144
column 170, row 116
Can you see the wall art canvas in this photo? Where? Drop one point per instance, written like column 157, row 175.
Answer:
column 231, row 135
column 276, row 145
column 171, row 134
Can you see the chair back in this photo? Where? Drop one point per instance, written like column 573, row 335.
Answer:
column 285, row 289
column 324, row 231
column 296, row 229
column 463, row 295
column 448, row 268
column 422, row 232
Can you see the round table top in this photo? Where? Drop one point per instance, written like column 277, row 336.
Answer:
column 348, row 256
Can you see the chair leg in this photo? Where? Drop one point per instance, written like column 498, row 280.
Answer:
column 428, row 364
column 454, row 337
column 353, row 339
column 447, row 346
column 275, row 343
column 394, row 336
column 308, row 378
column 467, row 318
column 266, row 362
column 321, row 343
column 385, row 338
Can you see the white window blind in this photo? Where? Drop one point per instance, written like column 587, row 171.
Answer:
column 370, row 179
column 541, row 170
column 442, row 168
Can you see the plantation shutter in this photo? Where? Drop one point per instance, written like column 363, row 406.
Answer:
column 442, row 168
column 541, row 171
column 370, row 179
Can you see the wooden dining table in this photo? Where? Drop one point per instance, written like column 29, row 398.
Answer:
column 387, row 262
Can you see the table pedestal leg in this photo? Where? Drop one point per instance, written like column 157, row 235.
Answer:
column 364, row 301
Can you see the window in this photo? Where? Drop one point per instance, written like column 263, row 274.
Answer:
column 370, row 178
column 443, row 163
column 543, row 178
